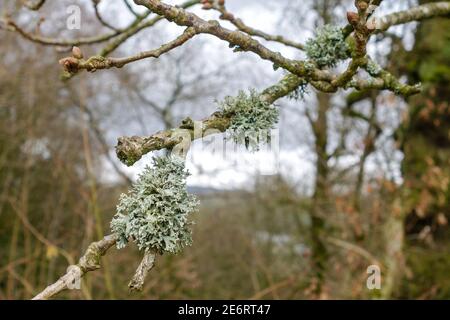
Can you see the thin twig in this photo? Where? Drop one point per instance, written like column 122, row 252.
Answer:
column 90, row 261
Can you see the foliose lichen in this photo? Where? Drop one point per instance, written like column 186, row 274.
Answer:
column 373, row 68
column 251, row 118
column 154, row 214
column 328, row 47
column 299, row 93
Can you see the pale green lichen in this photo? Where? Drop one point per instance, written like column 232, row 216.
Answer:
column 251, row 118
column 328, row 47
column 299, row 93
column 154, row 214
column 373, row 68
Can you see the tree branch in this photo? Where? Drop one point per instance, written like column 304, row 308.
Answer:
column 12, row 26
column 147, row 264
column 130, row 149
column 124, row 36
column 90, row 261
column 95, row 4
column 74, row 64
column 228, row 16
column 238, row 39
column 422, row 12
column 34, row 5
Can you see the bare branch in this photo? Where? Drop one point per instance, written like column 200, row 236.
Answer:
column 95, row 4
column 57, row 42
column 426, row 11
column 126, row 34
column 122, row 35
column 90, row 261
column 226, row 15
column 361, row 35
column 238, row 39
column 130, row 8
column 73, row 64
column 147, row 264
column 34, row 5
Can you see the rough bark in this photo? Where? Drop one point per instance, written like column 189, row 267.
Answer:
column 320, row 199
column 424, row 140
column 90, row 261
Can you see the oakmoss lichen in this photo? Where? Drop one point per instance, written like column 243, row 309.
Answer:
column 251, row 118
column 299, row 93
column 328, row 47
column 373, row 68
column 154, row 214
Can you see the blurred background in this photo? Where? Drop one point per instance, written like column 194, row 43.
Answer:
column 359, row 178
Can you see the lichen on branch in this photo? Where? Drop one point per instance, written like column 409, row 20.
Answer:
column 154, row 214
column 251, row 118
column 328, row 47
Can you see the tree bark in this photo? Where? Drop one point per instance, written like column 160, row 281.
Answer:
column 320, row 197
column 424, row 140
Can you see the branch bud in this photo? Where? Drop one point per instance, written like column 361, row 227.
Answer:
column 70, row 64
column 362, row 5
column 352, row 18
column 76, row 53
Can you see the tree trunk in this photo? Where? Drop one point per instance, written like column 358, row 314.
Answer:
column 320, row 197
column 424, row 140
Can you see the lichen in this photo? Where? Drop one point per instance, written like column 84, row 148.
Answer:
column 299, row 93
column 373, row 68
column 328, row 47
column 154, row 214
column 251, row 118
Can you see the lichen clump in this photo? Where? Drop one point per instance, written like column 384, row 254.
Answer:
column 328, row 47
column 299, row 93
column 252, row 118
column 373, row 68
column 154, row 214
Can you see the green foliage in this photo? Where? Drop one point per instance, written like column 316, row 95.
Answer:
column 155, row 212
column 251, row 118
column 328, row 47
